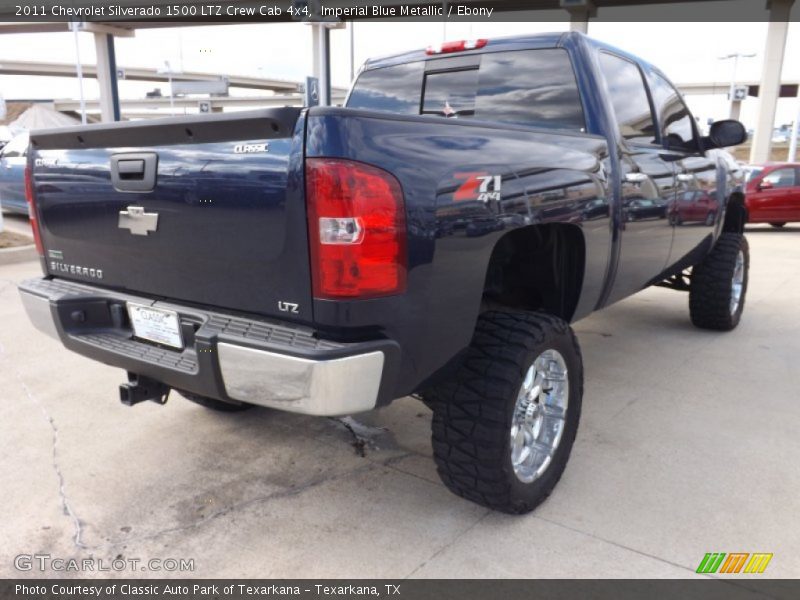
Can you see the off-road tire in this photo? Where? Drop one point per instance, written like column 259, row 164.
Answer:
column 710, row 291
column 778, row 225
column 472, row 411
column 214, row 404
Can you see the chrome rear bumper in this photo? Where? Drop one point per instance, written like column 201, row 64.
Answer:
column 335, row 387
column 228, row 357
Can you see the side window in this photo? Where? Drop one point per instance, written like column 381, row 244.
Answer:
column 781, row 178
column 629, row 98
column 677, row 130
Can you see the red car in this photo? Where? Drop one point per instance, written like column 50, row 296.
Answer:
column 695, row 206
column 772, row 193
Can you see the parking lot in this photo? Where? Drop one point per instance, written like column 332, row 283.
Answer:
column 688, row 445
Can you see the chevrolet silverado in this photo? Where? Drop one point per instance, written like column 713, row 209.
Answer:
column 435, row 237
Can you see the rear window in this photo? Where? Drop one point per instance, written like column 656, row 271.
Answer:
column 391, row 89
column 525, row 87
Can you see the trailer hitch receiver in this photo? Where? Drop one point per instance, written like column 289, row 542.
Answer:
column 139, row 388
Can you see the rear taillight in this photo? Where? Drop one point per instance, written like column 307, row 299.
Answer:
column 32, row 211
column 459, row 46
column 356, row 229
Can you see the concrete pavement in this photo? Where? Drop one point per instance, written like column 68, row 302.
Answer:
column 16, row 223
column 688, row 444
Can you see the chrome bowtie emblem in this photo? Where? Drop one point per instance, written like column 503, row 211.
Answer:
column 138, row 221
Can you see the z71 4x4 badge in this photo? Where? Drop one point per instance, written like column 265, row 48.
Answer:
column 478, row 185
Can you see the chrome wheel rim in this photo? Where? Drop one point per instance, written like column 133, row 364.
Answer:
column 737, row 282
column 539, row 416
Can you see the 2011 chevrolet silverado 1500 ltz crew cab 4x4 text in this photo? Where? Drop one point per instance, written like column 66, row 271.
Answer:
column 436, row 236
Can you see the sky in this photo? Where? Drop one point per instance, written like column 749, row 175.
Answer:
column 284, row 51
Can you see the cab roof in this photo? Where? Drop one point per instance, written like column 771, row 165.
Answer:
column 518, row 42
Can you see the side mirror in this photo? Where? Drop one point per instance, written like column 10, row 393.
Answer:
column 725, row 133
column 765, row 185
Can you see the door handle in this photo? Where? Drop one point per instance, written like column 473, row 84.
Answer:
column 635, row 177
column 130, row 169
column 134, row 171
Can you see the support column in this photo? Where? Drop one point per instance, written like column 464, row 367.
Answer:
column 579, row 21
column 769, row 90
column 792, row 157
column 736, row 110
column 320, row 47
column 107, row 76
column 579, row 14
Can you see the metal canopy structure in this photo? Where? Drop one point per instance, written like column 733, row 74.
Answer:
column 52, row 69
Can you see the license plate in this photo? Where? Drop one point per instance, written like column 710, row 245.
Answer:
column 156, row 325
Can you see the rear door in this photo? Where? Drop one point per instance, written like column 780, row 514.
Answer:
column 794, row 200
column 780, row 194
column 648, row 184
column 202, row 210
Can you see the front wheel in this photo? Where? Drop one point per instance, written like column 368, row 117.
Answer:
column 719, row 284
column 504, row 425
column 778, row 225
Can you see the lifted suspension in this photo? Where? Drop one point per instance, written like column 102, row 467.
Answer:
column 680, row 281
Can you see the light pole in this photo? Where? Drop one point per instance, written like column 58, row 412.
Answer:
column 795, row 134
column 731, row 92
column 76, row 26
column 352, row 51
column 167, row 70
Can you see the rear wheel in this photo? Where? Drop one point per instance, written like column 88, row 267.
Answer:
column 778, row 225
column 719, row 284
column 214, row 404
column 504, row 425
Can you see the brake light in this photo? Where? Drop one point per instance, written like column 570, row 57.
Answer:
column 37, row 238
column 459, row 46
column 356, row 229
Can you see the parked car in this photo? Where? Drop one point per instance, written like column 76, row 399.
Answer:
column 317, row 274
column 773, row 193
column 696, row 206
column 640, row 209
column 781, row 135
column 13, row 159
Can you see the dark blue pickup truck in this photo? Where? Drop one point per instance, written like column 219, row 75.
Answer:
column 435, row 237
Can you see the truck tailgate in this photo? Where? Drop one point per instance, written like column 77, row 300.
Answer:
column 208, row 210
